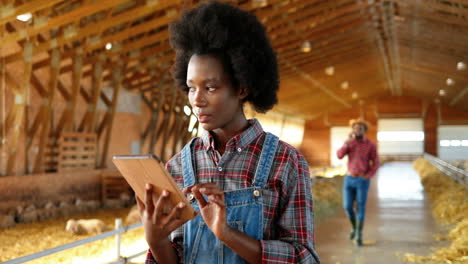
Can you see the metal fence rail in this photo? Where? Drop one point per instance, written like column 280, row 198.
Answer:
column 117, row 232
column 459, row 175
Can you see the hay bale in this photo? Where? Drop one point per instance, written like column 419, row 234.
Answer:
column 7, row 221
column 28, row 217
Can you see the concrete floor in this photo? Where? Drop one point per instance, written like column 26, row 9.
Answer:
column 398, row 221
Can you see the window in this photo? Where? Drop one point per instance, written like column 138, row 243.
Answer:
column 453, row 142
column 400, row 136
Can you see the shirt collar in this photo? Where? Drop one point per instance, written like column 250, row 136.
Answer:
column 253, row 131
column 364, row 140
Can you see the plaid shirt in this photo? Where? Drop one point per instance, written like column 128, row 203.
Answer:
column 360, row 153
column 288, row 235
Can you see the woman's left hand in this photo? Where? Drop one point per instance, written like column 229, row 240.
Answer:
column 213, row 211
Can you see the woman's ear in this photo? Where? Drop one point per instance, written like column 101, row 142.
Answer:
column 243, row 92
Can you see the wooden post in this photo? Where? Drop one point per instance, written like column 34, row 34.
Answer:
column 2, row 108
column 77, row 74
column 96, row 89
column 168, row 115
column 155, row 115
column 44, row 138
column 21, row 109
column 117, row 85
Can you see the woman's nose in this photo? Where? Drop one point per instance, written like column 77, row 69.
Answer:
column 198, row 98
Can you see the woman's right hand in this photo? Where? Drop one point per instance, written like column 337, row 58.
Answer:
column 157, row 223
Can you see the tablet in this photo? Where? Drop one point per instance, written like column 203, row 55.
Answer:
column 141, row 169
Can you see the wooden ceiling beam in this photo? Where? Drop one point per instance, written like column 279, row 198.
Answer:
column 373, row 22
column 306, row 16
column 435, row 6
column 310, row 65
column 330, row 45
column 55, row 22
column 388, row 27
column 306, row 23
column 316, row 83
column 28, row 7
column 322, row 34
column 96, row 29
column 367, row 60
column 430, row 15
column 277, row 8
column 436, row 38
column 439, row 72
column 423, row 44
column 459, row 96
column 336, row 52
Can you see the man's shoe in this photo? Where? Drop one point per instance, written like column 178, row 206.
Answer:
column 359, row 225
column 352, row 234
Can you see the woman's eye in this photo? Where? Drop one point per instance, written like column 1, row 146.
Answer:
column 191, row 89
column 211, row 89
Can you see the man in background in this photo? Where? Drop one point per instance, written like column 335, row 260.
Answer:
column 363, row 162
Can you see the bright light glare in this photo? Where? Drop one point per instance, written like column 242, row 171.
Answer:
column 24, row 17
column 293, row 135
column 193, row 121
column 455, row 143
column 445, row 143
column 187, row 110
column 108, row 46
column 400, row 136
column 464, row 143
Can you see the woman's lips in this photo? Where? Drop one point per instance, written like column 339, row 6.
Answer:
column 204, row 118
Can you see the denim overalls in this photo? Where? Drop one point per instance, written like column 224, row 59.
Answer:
column 244, row 211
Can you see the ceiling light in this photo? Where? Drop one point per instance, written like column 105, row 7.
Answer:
column 108, row 46
column 306, row 47
column 461, row 66
column 354, row 95
column 330, row 70
column 442, row 92
column 450, row 81
column 24, row 17
column 344, row 85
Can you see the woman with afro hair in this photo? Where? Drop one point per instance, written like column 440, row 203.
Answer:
column 251, row 190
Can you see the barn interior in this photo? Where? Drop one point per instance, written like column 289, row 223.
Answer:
column 84, row 80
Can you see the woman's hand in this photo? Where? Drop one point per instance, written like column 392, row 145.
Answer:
column 213, row 211
column 158, row 217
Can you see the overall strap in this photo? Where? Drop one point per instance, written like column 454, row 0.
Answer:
column 187, row 166
column 266, row 160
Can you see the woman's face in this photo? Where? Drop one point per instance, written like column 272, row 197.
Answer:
column 214, row 99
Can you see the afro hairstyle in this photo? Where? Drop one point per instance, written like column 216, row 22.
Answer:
column 238, row 38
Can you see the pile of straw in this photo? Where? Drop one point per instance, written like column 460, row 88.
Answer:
column 449, row 206
column 28, row 238
column 326, row 190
